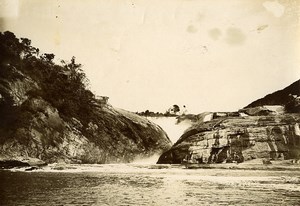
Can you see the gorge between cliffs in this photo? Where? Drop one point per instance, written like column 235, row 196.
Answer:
column 149, row 103
column 60, row 144
column 48, row 115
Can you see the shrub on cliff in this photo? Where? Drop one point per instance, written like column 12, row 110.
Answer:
column 293, row 104
column 47, row 112
column 286, row 97
column 64, row 86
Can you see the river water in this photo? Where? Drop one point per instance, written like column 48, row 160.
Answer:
column 146, row 184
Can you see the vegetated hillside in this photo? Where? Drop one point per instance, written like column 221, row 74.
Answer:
column 281, row 97
column 48, row 113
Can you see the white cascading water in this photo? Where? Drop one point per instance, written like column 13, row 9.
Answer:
column 170, row 126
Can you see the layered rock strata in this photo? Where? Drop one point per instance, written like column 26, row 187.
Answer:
column 238, row 139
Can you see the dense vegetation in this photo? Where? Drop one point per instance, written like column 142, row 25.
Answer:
column 47, row 112
column 288, row 97
column 63, row 86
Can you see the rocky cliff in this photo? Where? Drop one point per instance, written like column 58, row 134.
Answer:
column 267, row 128
column 46, row 112
column 238, row 139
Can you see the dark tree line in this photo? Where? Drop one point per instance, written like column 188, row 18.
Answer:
column 63, row 85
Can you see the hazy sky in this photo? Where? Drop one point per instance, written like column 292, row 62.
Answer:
column 210, row 55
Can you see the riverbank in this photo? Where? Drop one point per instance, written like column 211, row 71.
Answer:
column 284, row 165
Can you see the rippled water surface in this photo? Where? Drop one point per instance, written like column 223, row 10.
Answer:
column 149, row 185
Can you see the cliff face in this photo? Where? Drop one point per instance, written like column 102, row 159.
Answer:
column 238, row 139
column 47, row 113
column 32, row 127
column 266, row 128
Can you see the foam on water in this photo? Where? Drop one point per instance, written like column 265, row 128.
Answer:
column 170, row 126
column 148, row 184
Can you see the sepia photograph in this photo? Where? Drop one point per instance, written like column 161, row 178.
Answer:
column 154, row 103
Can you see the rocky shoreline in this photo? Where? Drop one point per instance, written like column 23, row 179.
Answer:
column 27, row 164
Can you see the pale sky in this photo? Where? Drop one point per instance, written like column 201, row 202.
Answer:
column 210, row 55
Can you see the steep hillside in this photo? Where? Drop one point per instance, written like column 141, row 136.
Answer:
column 48, row 113
column 281, row 97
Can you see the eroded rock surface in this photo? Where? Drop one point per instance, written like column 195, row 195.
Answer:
column 38, row 131
column 47, row 112
column 238, row 139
